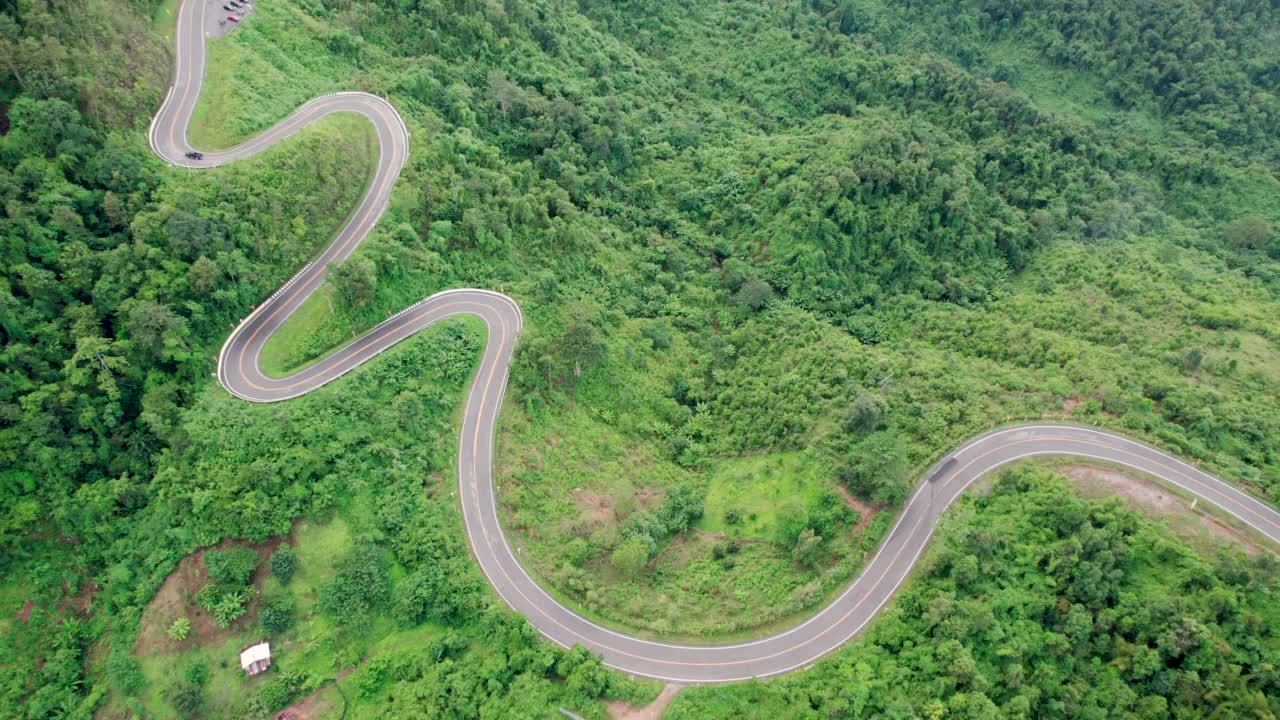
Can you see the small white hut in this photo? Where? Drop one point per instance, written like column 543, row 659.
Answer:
column 255, row 658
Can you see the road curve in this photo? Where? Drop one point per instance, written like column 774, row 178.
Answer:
column 240, row 372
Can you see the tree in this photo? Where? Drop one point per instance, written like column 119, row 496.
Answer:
column 866, row 414
column 354, row 280
column 179, row 629
column 1192, row 360
column 232, row 567
column 360, row 584
column 192, row 236
column 1249, row 233
column 682, row 506
column 152, row 326
column 754, row 293
column 284, row 563
column 793, row 519
column 630, row 556
column 580, row 346
column 446, row 592
column 807, row 552
column 876, row 469
column 187, row 698
column 276, row 613
column 203, row 274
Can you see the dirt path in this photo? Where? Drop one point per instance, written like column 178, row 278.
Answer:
column 652, row 711
column 864, row 509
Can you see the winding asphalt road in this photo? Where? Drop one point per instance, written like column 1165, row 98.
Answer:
column 240, row 372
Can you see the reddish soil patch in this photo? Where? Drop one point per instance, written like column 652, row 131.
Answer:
column 84, row 599
column 864, row 509
column 1154, row 500
column 595, row 507
column 176, row 598
column 1069, row 405
column 24, row 615
column 653, row 711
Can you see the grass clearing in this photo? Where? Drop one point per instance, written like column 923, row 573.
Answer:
column 315, row 646
column 262, row 71
column 209, row 128
column 566, row 491
column 1070, row 91
column 754, row 487
column 279, row 352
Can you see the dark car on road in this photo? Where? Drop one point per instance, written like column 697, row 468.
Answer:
column 195, row 155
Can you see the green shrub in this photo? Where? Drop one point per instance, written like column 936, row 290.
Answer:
column 284, row 563
column 445, row 592
column 807, row 552
column 231, row 568
column 361, row 584
column 682, row 506
column 793, row 518
column 196, row 673
column 179, row 629
column 277, row 693
column 187, row 698
column 124, row 672
column 630, row 557
column 276, row 613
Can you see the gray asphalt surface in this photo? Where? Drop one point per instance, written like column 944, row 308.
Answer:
column 240, row 373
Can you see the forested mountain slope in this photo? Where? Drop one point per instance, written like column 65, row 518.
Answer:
column 767, row 252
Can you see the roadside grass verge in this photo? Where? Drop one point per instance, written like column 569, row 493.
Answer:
column 164, row 19
column 262, row 71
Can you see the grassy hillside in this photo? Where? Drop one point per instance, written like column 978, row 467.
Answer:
column 774, row 259
column 743, row 254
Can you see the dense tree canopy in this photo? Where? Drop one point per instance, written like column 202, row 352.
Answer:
column 847, row 233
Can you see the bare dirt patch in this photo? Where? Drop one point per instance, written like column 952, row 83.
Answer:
column 176, row 598
column 1155, row 500
column 626, row 711
column 1069, row 405
column 596, row 508
column 81, row 601
column 650, row 497
column 24, row 615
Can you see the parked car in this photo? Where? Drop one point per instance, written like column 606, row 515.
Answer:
column 195, row 155
column 229, row 6
column 233, row 18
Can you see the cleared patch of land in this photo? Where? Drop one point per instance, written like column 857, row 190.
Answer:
column 652, row 711
column 176, row 598
column 1190, row 519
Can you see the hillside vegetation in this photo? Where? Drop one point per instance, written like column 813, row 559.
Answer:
column 774, row 259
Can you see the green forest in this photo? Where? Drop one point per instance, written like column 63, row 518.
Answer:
column 774, row 260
